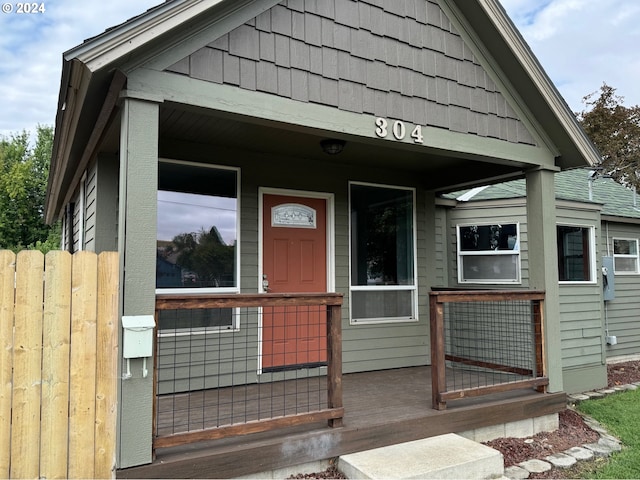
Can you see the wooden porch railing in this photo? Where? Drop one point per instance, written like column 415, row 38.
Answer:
column 250, row 304
column 485, row 342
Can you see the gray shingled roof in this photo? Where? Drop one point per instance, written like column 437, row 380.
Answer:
column 616, row 200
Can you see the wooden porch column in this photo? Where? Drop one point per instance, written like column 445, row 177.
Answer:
column 137, row 247
column 543, row 265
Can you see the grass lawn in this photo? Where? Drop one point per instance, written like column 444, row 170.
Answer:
column 620, row 414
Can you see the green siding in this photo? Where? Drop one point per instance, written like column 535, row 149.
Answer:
column 623, row 312
column 581, row 314
column 581, row 311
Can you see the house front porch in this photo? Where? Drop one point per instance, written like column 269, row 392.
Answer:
column 380, row 408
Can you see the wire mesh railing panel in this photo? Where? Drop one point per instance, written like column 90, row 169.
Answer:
column 488, row 343
column 485, row 342
column 222, row 367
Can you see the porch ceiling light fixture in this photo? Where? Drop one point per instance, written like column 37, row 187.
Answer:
column 332, row 146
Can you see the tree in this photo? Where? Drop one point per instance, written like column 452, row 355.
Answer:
column 205, row 256
column 23, row 183
column 615, row 130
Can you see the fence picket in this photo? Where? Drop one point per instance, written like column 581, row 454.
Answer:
column 7, row 292
column 107, row 363
column 55, row 365
column 82, row 391
column 58, row 364
column 27, row 363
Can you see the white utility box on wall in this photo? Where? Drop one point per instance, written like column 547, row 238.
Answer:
column 137, row 336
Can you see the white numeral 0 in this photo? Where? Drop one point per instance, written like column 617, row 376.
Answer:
column 399, row 130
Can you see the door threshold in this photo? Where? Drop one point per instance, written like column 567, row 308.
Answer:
column 297, row 366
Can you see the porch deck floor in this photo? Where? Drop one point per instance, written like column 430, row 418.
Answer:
column 381, row 408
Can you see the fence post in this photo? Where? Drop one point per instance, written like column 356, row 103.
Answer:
column 334, row 361
column 438, row 378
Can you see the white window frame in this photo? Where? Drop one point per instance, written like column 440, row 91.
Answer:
column 592, row 254
column 516, row 252
column 377, row 288
column 235, row 326
column 635, row 257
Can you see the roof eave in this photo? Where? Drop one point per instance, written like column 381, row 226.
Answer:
column 531, row 77
column 118, row 42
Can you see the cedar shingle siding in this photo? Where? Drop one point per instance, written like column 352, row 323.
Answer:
column 404, row 60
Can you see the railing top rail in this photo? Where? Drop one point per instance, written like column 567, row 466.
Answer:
column 173, row 302
column 446, row 296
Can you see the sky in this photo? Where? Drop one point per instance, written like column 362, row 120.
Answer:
column 580, row 43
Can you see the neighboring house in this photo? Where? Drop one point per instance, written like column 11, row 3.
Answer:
column 339, row 119
column 598, row 230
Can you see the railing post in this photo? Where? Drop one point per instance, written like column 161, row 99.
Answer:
column 334, row 361
column 538, row 325
column 438, row 378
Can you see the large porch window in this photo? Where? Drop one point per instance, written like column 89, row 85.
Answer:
column 575, row 257
column 383, row 282
column 197, row 240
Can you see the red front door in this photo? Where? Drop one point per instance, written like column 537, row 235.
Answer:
column 294, row 261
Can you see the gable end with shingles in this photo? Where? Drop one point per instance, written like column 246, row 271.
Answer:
column 400, row 60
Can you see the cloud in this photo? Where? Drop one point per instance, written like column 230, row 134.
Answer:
column 31, row 48
column 584, row 43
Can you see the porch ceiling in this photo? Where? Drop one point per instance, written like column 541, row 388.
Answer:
column 438, row 170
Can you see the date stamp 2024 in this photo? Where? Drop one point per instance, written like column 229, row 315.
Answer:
column 25, row 8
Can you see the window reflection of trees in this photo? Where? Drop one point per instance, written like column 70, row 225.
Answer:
column 203, row 258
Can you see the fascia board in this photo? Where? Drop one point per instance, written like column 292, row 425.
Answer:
column 73, row 92
column 532, row 67
column 118, row 42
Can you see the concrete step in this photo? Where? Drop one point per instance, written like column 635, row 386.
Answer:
column 447, row 456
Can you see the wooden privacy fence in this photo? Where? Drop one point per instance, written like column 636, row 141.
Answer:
column 58, row 364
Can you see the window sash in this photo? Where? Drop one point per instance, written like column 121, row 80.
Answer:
column 575, row 254
column 502, row 245
column 213, row 192
column 628, row 262
column 383, row 289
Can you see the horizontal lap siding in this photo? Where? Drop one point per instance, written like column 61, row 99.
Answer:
column 581, row 314
column 441, row 255
column 90, row 209
column 623, row 312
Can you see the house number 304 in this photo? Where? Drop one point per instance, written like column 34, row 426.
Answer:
column 398, row 130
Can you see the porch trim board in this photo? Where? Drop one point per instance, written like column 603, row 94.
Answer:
column 264, row 108
column 250, row 455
